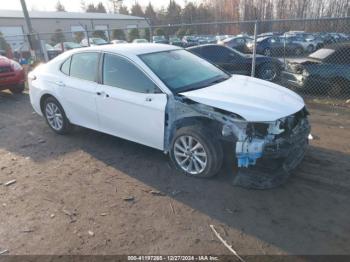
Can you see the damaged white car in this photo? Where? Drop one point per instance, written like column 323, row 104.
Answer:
column 169, row 99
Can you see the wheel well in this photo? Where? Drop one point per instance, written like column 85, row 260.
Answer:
column 42, row 100
column 197, row 120
column 211, row 125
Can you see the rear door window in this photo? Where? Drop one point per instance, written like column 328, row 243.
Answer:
column 65, row 68
column 85, row 66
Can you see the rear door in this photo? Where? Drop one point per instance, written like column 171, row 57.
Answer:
column 78, row 88
column 129, row 104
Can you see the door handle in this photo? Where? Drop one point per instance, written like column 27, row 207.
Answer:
column 60, row 83
column 148, row 99
column 102, row 93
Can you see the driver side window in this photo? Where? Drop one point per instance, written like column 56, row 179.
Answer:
column 119, row 72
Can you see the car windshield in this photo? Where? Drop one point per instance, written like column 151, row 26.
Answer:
column 183, row 71
column 322, row 54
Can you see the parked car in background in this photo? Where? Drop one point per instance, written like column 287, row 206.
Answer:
column 189, row 41
column 220, row 38
column 173, row 40
column 93, row 41
column 116, row 41
column 51, row 51
column 238, row 43
column 206, row 39
column 270, row 34
column 339, row 37
column 140, row 41
column 159, row 39
column 65, row 46
column 191, row 108
column 327, row 69
column 275, row 46
column 319, row 41
column 327, row 38
column 308, row 45
column 12, row 75
column 234, row 62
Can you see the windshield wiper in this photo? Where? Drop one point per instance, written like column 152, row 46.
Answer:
column 218, row 80
column 210, row 83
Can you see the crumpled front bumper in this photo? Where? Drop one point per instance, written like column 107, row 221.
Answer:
column 279, row 159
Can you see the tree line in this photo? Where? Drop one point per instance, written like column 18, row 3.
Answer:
column 224, row 10
column 219, row 11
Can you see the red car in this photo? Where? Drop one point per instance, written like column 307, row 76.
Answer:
column 12, row 75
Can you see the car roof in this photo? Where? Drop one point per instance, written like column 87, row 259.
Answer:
column 131, row 49
column 206, row 45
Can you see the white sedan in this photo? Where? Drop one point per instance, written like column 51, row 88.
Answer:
column 167, row 98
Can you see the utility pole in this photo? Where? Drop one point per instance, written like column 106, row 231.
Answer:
column 254, row 48
column 26, row 17
column 28, row 23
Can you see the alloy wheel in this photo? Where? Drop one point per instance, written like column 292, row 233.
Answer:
column 190, row 155
column 268, row 74
column 54, row 116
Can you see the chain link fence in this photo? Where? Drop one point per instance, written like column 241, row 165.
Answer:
column 310, row 56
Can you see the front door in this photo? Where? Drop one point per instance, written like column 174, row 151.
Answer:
column 129, row 104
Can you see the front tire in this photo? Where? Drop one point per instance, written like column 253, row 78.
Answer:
column 195, row 152
column 268, row 72
column 56, row 117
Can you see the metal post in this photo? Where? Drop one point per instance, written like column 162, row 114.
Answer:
column 28, row 23
column 254, row 48
column 284, row 51
column 44, row 50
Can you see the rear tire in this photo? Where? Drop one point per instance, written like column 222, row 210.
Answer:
column 56, row 117
column 18, row 89
column 196, row 152
column 267, row 52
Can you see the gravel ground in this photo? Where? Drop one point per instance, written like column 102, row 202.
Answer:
column 90, row 193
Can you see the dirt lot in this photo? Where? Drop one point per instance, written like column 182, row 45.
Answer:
column 67, row 186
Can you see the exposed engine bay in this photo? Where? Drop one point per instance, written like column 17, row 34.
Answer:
column 265, row 152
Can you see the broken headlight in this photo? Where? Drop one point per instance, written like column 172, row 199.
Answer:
column 305, row 73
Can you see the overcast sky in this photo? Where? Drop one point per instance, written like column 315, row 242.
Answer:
column 75, row 5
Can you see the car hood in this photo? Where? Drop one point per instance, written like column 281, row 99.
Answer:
column 303, row 61
column 4, row 61
column 254, row 99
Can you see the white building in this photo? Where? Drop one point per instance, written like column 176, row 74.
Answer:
column 13, row 27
